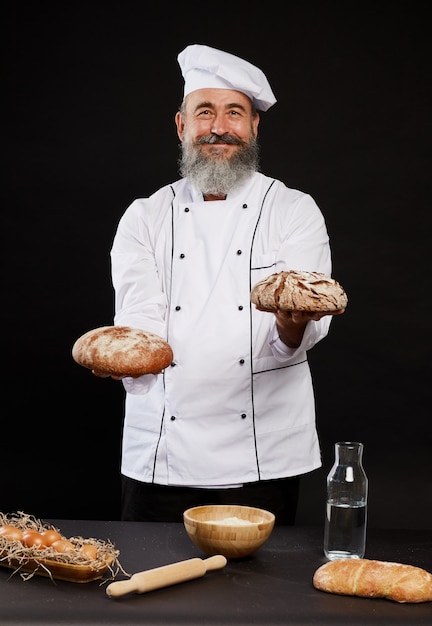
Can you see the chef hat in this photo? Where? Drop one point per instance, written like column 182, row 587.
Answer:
column 203, row 67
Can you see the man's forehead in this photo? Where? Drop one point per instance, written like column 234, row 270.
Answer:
column 218, row 97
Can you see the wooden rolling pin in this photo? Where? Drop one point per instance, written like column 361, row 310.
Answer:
column 159, row 577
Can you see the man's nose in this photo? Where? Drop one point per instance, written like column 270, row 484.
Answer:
column 220, row 125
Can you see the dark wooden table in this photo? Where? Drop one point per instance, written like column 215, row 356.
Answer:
column 274, row 586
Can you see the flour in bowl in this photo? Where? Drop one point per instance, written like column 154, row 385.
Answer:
column 231, row 521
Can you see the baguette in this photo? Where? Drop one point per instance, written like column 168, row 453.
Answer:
column 374, row 579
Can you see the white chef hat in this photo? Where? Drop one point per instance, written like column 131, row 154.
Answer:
column 203, row 67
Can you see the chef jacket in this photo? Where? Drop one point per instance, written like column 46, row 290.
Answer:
column 236, row 405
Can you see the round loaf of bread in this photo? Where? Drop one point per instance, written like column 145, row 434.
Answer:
column 299, row 291
column 122, row 351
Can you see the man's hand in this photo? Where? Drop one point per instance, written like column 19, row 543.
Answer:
column 291, row 324
column 101, row 374
column 302, row 317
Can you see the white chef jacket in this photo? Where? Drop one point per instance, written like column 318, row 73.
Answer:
column 236, row 405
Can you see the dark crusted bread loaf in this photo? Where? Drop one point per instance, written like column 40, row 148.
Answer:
column 122, row 351
column 299, row 291
column 374, row 579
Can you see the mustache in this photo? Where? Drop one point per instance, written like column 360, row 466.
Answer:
column 214, row 138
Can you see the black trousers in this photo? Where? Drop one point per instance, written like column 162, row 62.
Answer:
column 148, row 502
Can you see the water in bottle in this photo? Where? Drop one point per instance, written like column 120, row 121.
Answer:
column 346, row 506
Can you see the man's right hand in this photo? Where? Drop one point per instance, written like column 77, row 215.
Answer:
column 101, row 374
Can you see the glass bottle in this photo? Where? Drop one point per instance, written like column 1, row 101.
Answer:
column 346, row 506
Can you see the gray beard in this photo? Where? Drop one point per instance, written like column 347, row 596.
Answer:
column 213, row 175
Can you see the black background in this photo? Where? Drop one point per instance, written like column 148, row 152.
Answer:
column 90, row 92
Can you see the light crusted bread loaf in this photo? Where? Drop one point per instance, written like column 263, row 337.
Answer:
column 122, row 351
column 374, row 579
column 299, row 291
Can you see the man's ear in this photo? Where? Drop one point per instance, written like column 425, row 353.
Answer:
column 180, row 125
column 255, row 124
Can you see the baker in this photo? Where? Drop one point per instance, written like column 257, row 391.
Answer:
column 232, row 418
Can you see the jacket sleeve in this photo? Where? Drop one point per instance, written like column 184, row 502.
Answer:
column 139, row 300
column 304, row 246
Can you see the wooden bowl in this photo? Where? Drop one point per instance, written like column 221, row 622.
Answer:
column 235, row 531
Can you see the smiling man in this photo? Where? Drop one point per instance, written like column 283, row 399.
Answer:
column 232, row 419
column 218, row 129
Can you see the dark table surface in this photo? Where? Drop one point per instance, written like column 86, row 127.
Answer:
column 273, row 586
